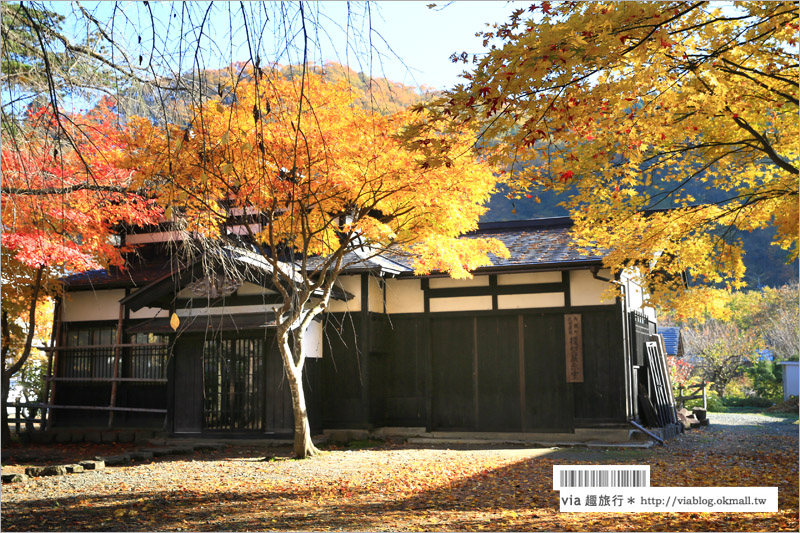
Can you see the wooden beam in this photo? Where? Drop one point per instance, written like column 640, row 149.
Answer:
column 107, row 408
column 98, row 346
column 106, row 380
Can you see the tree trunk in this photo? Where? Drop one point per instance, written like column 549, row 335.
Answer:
column 303, row 446
column 6, row 389
column 26, row 351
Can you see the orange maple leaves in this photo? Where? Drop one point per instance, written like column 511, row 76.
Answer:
column 320, row 170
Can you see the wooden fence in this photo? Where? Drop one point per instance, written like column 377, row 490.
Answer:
column 26, row 413
column 700, row 392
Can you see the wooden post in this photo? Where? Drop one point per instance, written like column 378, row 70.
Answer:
column 58, row 335
column 117, row 350
column 522, row 393
column 18, row 414
column 680, row 394
column 705, row 399
column 475, row 377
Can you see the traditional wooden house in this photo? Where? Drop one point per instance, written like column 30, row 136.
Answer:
column 673, row 340
column 529, row 345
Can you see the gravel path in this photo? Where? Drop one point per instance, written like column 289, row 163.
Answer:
column 749, row 422
column 401, row 487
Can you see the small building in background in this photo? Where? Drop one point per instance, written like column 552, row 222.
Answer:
column 791, row 378
column 673, row 340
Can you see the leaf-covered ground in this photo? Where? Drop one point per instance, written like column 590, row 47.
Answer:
column 401, row 488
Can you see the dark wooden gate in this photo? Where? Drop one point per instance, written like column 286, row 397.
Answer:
column 548, row 396
column 230, row 384
column 233, row 384
column 500, row 373
column 453, row 380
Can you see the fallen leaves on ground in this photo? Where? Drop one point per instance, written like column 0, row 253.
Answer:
column 398, row 487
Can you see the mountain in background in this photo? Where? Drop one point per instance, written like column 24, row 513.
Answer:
column 766, row 264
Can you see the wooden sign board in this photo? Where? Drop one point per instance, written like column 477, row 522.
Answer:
column 573, row 348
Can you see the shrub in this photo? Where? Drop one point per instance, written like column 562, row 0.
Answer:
column 767, row 380
column 749, row 401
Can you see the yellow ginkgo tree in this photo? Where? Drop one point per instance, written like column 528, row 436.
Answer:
column 327, row 183
column 636, row 107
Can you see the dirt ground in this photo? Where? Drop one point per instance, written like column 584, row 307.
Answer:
column 397, row 487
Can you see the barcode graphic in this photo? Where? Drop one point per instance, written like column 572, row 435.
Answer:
column 605, row 476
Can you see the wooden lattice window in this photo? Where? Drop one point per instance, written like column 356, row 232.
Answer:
column 147, row 362
column 91, row 361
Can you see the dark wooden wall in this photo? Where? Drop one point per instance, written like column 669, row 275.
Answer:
column 478, row 371
column 343, row 376
column 138, row 395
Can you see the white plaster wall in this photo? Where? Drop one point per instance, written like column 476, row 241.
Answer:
column 313, row 340
column 529, row 277
column 351, row 284
column 160, row 236
column 250, row 289
column 92, row 305
column 241, row 229
column 446, row 283
column 636, row 295
column 528, row 301
column 149, row 312
column 375, row 295
column 404, row 296
column 586, row 290
column 464, row 303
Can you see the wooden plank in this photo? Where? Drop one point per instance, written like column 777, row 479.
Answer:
column 341, row 379
column 523, row 422
column 548, row 396
column 476, row 404
column 452, row 383
column 573, row 347
column 188, row 384
column 662, row 357
column 602, row 393
column 404, row 374
column 498, row 383
column 277, row 397
column 654, row 367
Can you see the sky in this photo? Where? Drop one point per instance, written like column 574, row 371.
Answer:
column 409, row 42
column 425, row 38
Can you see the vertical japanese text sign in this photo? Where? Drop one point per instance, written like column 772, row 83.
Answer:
column 573, row 348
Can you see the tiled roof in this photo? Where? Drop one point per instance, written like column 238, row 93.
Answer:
column 136, row 275
column 671, row 336
column 535, row 242
column 532, row 243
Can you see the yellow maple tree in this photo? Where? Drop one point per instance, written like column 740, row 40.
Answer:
column 635, row 107
column 324, row 182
